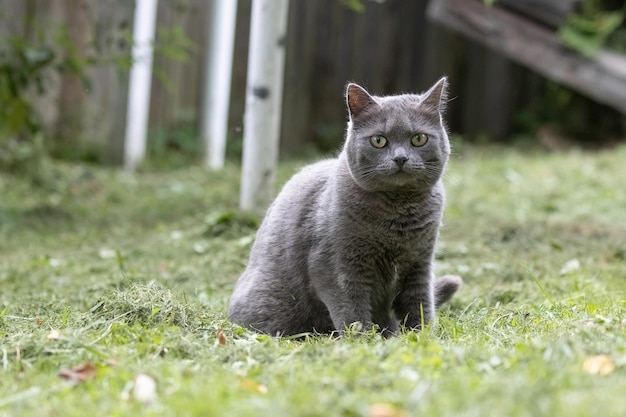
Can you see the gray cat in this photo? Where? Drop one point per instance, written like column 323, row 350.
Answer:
column 350, row 241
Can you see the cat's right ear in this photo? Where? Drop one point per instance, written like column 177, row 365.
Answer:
column 358, row 99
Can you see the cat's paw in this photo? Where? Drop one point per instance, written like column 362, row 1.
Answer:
column 354, row 329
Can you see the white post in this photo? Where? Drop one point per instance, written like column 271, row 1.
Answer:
column 264, row 93
column 218, row 69
column 139, row 83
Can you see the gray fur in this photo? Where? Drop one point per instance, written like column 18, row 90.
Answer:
column 352, row 239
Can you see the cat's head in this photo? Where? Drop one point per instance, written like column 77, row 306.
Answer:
column 396, row 143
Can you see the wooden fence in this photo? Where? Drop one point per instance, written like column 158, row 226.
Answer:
column 389, row 47
column 328, row 45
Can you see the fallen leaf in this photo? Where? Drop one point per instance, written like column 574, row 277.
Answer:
column 253, row 386
column 79, row 374
column 221, row 337
column 599, row 365
column 54, row 334
column 385, row 410
column 144, row 389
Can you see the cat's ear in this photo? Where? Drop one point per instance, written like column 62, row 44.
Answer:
column 435, row 99
column 357, row 99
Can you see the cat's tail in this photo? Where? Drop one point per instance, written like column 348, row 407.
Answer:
column 445, row 287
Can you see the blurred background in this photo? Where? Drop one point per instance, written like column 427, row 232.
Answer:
column 64, row 70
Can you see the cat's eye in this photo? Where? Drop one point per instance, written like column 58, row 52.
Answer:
column 378, row 141
column 419, row 139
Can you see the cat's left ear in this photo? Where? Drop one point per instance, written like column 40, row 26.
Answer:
column 358, row 99
column 436, row 98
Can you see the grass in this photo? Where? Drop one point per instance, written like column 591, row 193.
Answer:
column 111, row 276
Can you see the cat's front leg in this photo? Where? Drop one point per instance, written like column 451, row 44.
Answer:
column 347, row 299
column 414, row 305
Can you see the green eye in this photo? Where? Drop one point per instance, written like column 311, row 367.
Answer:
column 378, row 141
column 419, row 139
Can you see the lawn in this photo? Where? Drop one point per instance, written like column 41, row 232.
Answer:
column 114, row 290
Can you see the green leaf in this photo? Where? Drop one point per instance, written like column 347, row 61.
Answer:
column 119, row 259
column 354, row 5
column 587, row 34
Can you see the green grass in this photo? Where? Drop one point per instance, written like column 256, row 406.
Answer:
column 134, row 272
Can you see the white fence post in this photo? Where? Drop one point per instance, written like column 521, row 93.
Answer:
column 264, row 91
column 218, row 71
column 139, row 84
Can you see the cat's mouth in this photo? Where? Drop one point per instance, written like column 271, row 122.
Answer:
column 404, row 170
column 400, row 176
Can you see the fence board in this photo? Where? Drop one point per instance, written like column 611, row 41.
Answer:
column 176, row 84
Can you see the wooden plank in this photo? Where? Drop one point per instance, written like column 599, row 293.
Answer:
column 72, row 93
column 410, row 54
column 296, row 122
column 548, row 12
column 13, row 16
column 41, row 17
column 176, row 84
column 602, row 78
column 107, row 103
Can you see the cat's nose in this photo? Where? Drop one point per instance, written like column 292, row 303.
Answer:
column 400, row 160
